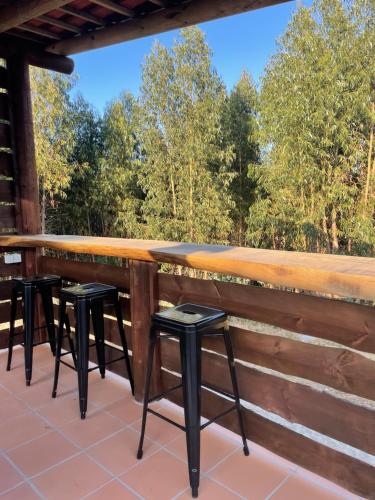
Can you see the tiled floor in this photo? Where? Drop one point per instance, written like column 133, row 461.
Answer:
column 46, row 451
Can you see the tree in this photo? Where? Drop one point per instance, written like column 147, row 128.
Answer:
column 53, row 135
column 316, row 121
column 240, row 122
column 185, row 174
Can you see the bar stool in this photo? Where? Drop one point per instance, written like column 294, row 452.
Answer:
column 189, row 323
column 27, row 289
column 86, row 298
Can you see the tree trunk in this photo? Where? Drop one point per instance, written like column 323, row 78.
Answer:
column 369, row 162
column 335, row 241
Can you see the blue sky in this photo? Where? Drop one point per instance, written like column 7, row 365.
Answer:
column 238, row 42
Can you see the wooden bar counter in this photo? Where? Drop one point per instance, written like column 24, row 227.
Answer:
column 333, row 274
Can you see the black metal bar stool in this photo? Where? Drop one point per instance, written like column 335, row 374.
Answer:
column 27, row 288
column 86, row 298
column 188, row 323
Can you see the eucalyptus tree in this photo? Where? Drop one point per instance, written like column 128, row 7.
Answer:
column 185, row 163
column 316, row 123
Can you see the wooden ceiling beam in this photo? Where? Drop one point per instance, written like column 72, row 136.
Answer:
column 173, row 17
column 39, row 31
column 59, row 24
column 21, row 11
column 115, row 7
column 82, row 14
column 160, row 3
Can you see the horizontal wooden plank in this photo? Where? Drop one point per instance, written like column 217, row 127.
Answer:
column 295, row 402
column 7, row 191
column 7, row 216
column 4, row 82
column 346, row 323
column 341, row 369
column 334, row 274
column 86, row 272
column 4, row 106
column 6, row 164
column 350, row 473
column 5, row 139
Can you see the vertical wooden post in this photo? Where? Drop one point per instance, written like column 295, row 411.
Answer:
column 143, row 303
column 26, row 178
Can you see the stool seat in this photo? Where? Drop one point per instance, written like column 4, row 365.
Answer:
column 38, row 280
column 186, row 317
column 87, row 291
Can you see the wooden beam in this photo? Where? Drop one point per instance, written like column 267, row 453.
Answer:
column 39, row 31
column 115, row 7
column 81, row 14
column 174, row 17
column 34, row 54
column 160, row 3
column 21, row 11
column 60, row 24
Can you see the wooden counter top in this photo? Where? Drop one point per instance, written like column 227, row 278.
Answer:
column 336, row 274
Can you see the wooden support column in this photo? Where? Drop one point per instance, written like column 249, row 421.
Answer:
column 143, row 303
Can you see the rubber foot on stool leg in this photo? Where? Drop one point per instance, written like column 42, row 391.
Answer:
column 194, row 491
column 246, row 451
column 8, row 368
column 103, row 375
column 139, row 454
column 83, row 415
column 28, row 382
column 54, row 394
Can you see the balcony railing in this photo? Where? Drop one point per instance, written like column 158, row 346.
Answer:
column 306, row 363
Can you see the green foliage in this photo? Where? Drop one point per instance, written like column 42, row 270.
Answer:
column 185, row 172
column 316, row 122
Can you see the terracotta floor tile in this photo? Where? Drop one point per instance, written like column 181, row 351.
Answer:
column 213, row 448
column 22, row 492
column 21, row 429
column 63, row 410
column 71, row 479
column 249, row 476
column 14, row 380
column 96, row 426
column 10, row 408
column 106, row 391
column 4, row 394
column 112, row 491
column 9, row 477
column 118, row 452
column 39, row 394
column 209, row 490
column 126, row 409
column 159, row 430
column 297, row 487
column 160, row 476
column 42, row 453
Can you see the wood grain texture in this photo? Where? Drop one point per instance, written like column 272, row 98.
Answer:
column 86, row 272
column 173, row 17
column 350, row 473
column 340, row 369
column 346, row 323
column 6, row 164
column 143, row 303
column 295, row 402
column 335, row 274
column 21, row 11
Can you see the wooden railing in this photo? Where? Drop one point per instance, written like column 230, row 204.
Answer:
column 306, row 364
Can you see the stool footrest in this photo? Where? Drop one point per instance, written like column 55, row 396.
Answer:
column 157, row 414
column 162, row 394
column 212, row 420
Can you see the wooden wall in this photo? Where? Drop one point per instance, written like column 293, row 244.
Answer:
column 304, row 382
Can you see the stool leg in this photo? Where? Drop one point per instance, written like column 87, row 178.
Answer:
column 47, row 302
column 82, row 332
column 28, row 324
column 98, row 325
column 232, row 369
column 123, row 341
column 13, row 311
column 190, row 348
column 70, row 340
column 150, row 359
column 60, row 333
